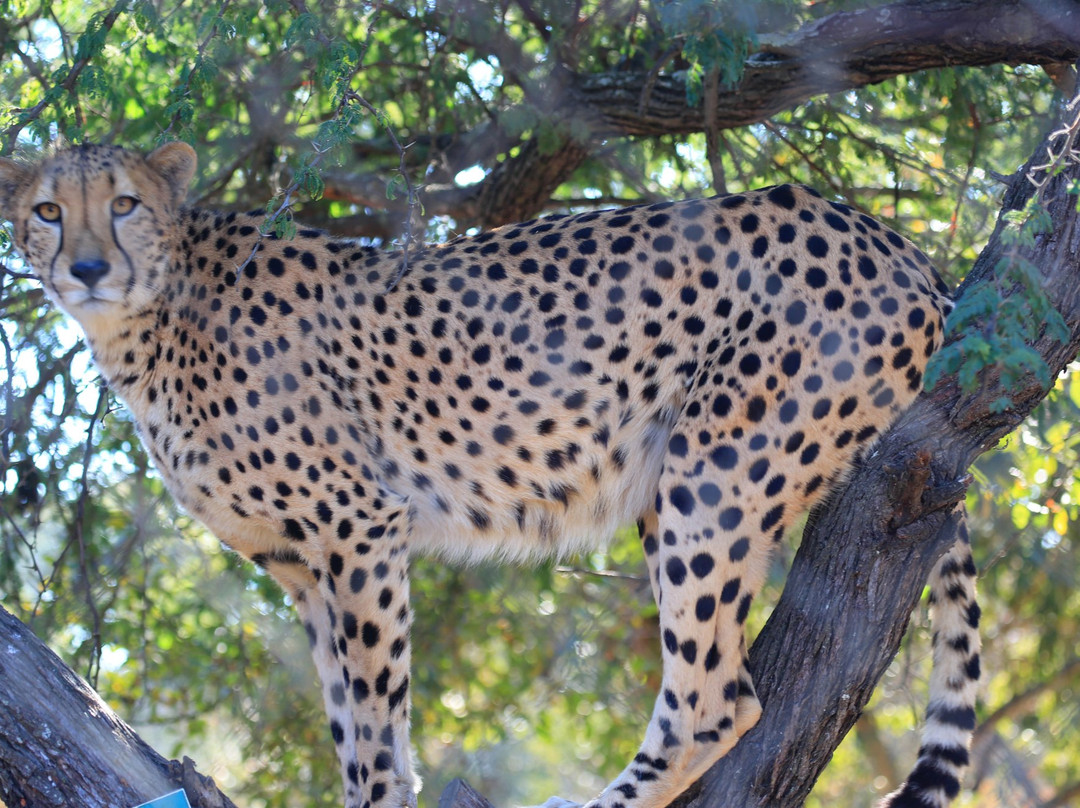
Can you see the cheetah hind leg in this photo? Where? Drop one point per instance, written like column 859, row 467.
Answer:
column 707, row 698
column 747, row 706
column 747, row 713
column 707, row 570
column 747, row 709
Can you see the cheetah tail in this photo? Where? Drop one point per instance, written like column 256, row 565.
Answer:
column 950, row 718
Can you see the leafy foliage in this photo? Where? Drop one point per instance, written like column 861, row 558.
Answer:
column 527, row 681
column 996, row 329
column 715, row 37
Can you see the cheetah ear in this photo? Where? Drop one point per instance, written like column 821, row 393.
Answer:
column 14, row 177
column 175, row 163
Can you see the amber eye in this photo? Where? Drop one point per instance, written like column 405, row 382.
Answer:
column 123, row 205
column 48, row 212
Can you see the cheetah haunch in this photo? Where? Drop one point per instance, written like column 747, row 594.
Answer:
column 707, row 368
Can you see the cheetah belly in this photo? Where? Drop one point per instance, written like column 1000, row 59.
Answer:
column 573, row 512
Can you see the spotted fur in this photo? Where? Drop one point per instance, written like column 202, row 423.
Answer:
column 707, row 368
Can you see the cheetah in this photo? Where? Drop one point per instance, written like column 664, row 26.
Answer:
column 706, row 369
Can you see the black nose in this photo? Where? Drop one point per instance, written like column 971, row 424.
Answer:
column 90, row 272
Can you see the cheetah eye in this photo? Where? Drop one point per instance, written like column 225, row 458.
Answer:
column 48, row 212
column 123, row 205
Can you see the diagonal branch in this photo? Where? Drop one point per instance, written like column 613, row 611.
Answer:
column 1022, row 703
column 61, row 745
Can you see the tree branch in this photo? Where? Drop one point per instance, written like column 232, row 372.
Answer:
column 840, row 52
column 61, row 745
column 1064, row 798
column 1022, row 703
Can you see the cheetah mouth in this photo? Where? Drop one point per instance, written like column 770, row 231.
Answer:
column 81, row 297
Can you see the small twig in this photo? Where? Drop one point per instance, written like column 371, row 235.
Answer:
column 285, row 208
column 9, row 400
column 209, row 189
column 413, row 192
column 1066, row 154
column 43, row 579
column 713, row 133
column 938, row 175
column 32, row 68
column 826, row 176
column 26, row 276
column 534, row 18
column 94, row 665
column 621, row 576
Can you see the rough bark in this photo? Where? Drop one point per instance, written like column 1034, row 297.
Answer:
column 61, row 745
column 519, row 189
column 842, row 51
column 459, row 794
column 839, row 52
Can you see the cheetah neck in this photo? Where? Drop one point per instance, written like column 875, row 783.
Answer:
column 125, row 355
column 127, row 349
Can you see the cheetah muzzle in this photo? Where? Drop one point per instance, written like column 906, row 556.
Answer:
column 705, row 368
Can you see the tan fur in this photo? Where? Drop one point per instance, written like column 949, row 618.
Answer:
column 707, row 367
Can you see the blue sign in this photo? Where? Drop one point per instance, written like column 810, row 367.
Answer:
column 177, row 799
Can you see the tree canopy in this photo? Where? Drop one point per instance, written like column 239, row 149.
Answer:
column 400, row 121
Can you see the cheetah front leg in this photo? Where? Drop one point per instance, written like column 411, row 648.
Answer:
column 357, row 621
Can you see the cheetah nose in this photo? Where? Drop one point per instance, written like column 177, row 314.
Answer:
column 90, row 272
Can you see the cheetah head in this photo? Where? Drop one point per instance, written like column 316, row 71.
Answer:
column 97, row 224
